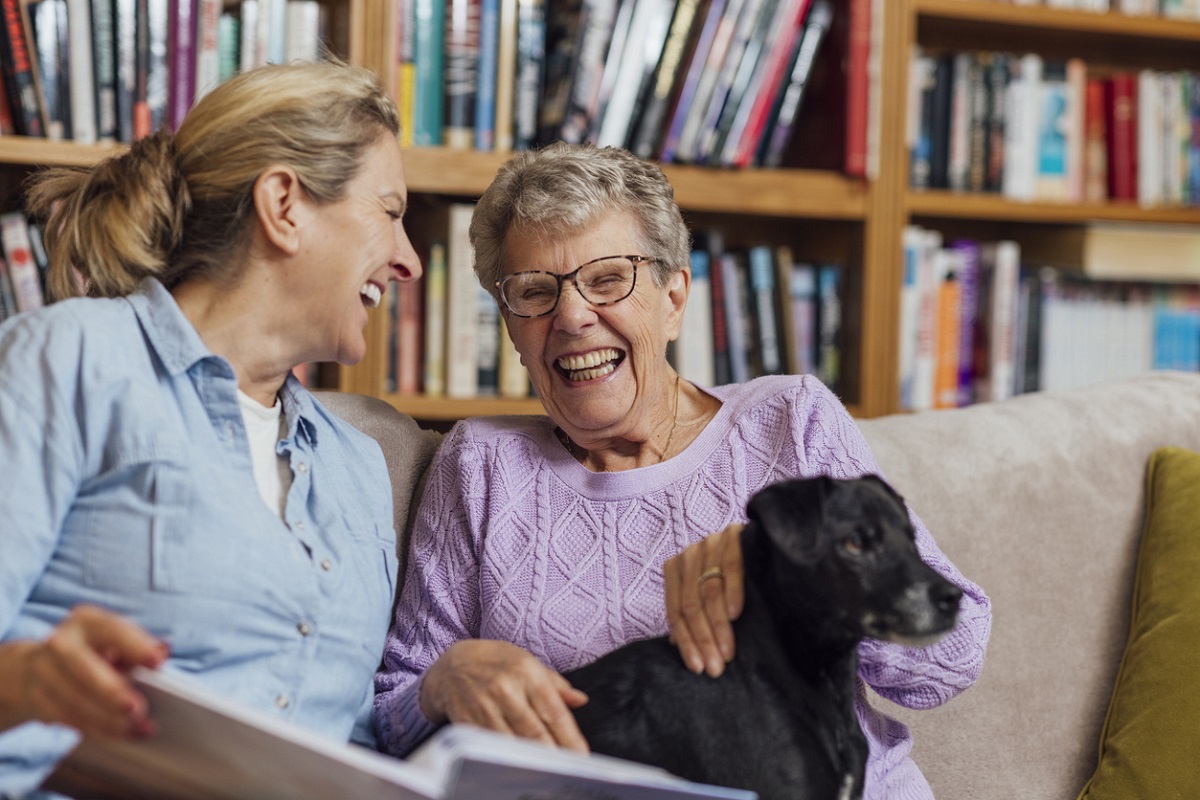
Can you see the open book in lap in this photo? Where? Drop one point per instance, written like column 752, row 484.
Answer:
column 209, row 748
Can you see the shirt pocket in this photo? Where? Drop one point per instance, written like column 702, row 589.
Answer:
column 375, row 548
column 140, row 496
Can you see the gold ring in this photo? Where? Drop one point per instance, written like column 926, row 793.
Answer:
column 711, row 572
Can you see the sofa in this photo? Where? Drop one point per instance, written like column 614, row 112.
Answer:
column 1040, row 500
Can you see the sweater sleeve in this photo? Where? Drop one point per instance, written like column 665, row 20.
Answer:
column 914, row 677
column 439, row 600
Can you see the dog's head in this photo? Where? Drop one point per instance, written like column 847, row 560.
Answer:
column 841, row 556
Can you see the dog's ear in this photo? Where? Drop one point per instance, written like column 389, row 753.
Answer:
column 791, row 514
column 871, row 477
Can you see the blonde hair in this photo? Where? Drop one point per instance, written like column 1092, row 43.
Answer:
column 562, row 188
column 178, row 206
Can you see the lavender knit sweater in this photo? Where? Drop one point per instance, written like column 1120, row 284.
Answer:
column 515, row 540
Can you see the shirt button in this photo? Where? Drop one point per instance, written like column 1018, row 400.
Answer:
column 304, row 628
column 282, row 702
column 298, row 525
column 326, row 564
column 302, row 468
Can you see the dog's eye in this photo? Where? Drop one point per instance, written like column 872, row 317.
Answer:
column 853, row 545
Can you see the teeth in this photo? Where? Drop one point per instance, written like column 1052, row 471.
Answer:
column 590, row 374
column 589, row 360
column 371, row 294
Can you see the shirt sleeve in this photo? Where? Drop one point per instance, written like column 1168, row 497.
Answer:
column 42, row 467
column 914, row 677
column 439, row 601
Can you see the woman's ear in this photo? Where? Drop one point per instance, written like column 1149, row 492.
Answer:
column 678, row 286
column 280, row 207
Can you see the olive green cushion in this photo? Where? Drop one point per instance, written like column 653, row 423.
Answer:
column 1150, row 744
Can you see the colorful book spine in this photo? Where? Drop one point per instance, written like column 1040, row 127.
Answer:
column 429, row 31
column 462, row 72
column 696, row 61
column 762, row 287
column 406, row 68
column 968, row 293
column 506, row 79
column 18, row 254
column 50, row 52
column 667, row 77
column 858, row 54
column 181, row 52
column 778, row 134
column 16, row 60
column 829, row 324
column 435, row 321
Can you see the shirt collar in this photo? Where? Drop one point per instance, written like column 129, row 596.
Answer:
column 171, row 335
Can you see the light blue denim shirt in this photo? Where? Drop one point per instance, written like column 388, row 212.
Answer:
column 125, row 481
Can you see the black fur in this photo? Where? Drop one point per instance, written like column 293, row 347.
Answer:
column 827, row 563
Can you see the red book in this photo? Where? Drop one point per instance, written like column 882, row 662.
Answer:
column 858, row 79
column 1121, row 107
column 1095, row 143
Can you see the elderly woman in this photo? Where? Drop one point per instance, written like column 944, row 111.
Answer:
column 540, row 541
column 172, row 496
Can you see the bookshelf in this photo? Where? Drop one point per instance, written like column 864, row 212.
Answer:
column 810, row 205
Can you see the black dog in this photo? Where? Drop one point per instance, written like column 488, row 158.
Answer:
column 827, row 562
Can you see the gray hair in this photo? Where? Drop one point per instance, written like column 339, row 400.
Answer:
column 562, row 188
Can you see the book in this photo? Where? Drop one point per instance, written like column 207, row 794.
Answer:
column 922, row 79
column 1022, row 125
column 1001, row 266
column 1121, row 118
column 207, row 47
column 912, row 238
column 694, row 347
column 858, row 54
column 949, row 315
column 409, row 327
column 766, row 325
column 182, row 27
column 406, row 68
column 49, row 42
column 530, row 71
column 104, row 68
column 506, row 75
column 967, row 274
column 18, row 255
column 597, row 22
column 514, row 378
column 829, row 324
column 20, row 77
column 1095, row 142
column 778, row 133
column 248, row 51
column 208, row 746
column 429, row 53
column 155, row 68
column 302, row 30
column 229, row 36
column 485, row 75
column 462, row 38
column 487, row 343
column 462, row 306
column 1051, row 176
column 434, row 375
column 8, row 301
column 713, row 242
column 941, row 101
column 996, row 78
column 1134, row 251
column 958, row 150
column 563, row 36
column 81, row 83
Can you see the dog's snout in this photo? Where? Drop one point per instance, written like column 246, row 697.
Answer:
column 945, row 596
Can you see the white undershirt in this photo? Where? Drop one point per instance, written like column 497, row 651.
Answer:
column 264, row 429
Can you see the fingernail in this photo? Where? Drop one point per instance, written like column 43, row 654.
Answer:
column 695, row 664
column 715, row 668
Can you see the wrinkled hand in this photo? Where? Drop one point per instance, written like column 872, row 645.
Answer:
column 502, row 687
column 76, row 676
column 699, row 612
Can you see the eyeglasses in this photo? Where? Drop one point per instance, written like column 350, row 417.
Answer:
column 601, row 281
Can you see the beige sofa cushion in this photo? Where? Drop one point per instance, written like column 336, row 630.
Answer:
column 1039, row 500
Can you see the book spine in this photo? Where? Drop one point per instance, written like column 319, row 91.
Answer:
column 804, row 318
column 929, row 277
column 18, row 72
column 275, row 30
column 786, row 111
column 1052, row 181
column 968, row 296
column 977, row 144
column 429, row 54
column 829, row 324
column 694, row 347
column 696, row 61
column 8, row 302
column 406, row 68
column 922, row 76
column 514, row 378
column 530, row 74
column 649, row 28
column 462, row 72
column 18, row 254
column 910, row 301
column 409, row 325
column 248, row 56
column 737, row 317
column 722, row 372
column 487, row 344
column 1005, row 273
column 302, row 39
column 462, row 307
column 939, row 126
column 506, row 80
column 958, row 151
column 997, row 79
column 762, row 284
column 208, row 52
column 741, row 39
column 1122, row 136
column 739, row 93
column 858, row 54
column 945, row 386
column 435, row 321
column 1095, row 142
column 229, row 36
column 158, row 73
column 50, row 54
column 485, row 85
column 82, row 83
column 564, row 30
column 181, row 51
column 597, row 23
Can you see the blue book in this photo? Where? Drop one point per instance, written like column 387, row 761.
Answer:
column 762, row 285
column 428, row 55
column 485, row 87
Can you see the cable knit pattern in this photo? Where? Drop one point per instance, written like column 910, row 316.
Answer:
column 515, row 540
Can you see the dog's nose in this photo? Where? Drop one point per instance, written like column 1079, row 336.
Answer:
column 945, row 596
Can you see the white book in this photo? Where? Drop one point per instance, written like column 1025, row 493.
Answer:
column 925, row 357
column 514, row 378
column 272, row 30
column 959, row 160
column 647, row 33
column 249, row 50
column 694, row 347
column 435, row 321
column 208, row 746
column 1149, row 142
column 18, row 252
column 735, row 319
column 208, row 58
column 462, row 307
column 302, row 40
column 1021, row 131
column 1004, row 259
column 913, row 239
column 82, row 78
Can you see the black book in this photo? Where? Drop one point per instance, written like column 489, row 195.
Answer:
column 125, row 26
column 668, row 75
column 48, row 25
column 939, row 123
column 104, row 68
column 20, row 76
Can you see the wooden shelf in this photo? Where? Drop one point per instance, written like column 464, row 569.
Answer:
column 965, row 205
column 34, row 151
column 764, row 192
column 1076, row 23
column 445, row 409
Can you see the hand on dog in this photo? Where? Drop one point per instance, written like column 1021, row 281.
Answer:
column 699, row 612
column 76, row 675
column 502, row 687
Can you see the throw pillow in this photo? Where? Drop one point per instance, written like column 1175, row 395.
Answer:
column 1148, row 748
